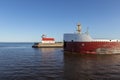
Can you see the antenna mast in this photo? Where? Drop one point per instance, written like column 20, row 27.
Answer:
column 78, row 27
column 87, row 32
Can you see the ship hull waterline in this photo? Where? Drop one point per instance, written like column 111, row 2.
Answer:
column 92, row 47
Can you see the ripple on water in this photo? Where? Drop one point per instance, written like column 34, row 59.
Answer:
column 52, row 64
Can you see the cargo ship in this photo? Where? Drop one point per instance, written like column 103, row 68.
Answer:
column 83, row 43
column 48, row 42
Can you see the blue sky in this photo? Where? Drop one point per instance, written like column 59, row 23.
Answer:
column 27, row 20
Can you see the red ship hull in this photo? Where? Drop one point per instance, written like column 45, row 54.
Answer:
column 93, row 47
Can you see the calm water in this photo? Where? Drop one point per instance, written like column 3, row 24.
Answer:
column 18, row 61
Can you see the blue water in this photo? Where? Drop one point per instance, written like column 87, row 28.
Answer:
column 19, row 61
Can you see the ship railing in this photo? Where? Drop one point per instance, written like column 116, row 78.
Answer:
column 94, row 40
column 106, row 40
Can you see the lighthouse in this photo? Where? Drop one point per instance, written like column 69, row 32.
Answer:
column 47, row 40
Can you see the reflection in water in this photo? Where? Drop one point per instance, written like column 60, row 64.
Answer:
column 91, row 67
column 26, row 63
column 49, row 63
column 47, row 50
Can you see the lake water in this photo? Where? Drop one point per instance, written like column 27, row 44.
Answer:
column 19, row 61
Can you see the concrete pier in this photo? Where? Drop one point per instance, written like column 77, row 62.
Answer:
column 48, row 45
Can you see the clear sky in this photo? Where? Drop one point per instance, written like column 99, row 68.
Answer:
column 27, row 20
